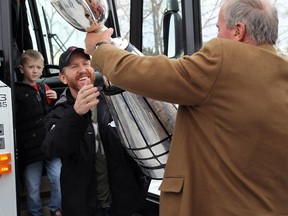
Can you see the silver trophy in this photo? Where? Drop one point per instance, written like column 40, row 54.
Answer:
column 89, row 16
column 83, row 15
column 145, row 126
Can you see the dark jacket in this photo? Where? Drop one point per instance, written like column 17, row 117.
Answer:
column 73, row 139
column 31, row 108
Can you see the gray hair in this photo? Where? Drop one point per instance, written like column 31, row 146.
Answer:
column 260, row 18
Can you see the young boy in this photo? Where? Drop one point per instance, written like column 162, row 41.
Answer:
column 32, row 104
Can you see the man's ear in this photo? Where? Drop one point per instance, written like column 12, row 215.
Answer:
column 240, row 32
column 62, row 77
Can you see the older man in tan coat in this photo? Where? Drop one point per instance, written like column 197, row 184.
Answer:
column 229, row 153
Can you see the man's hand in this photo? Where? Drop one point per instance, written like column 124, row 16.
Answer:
column 92, row 38
column 86, row 99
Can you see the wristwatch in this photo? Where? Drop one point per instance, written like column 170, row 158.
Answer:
column 97, row 45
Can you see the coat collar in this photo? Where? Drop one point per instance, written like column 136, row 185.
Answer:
column 268, row 47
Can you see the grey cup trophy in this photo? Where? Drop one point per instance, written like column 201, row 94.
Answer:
column 144, row 125
column 89, row 16
column 83, row 15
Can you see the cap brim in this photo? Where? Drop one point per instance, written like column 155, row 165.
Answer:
column 66, row 61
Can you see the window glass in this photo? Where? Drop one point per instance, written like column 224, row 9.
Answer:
column 152, row 24
column 209, row 12
column 123, row 13
column 58, row 34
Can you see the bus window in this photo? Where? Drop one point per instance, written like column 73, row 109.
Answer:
column 152, row 24
column 58, row 34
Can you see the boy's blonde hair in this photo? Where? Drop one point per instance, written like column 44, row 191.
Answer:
column 31, row 54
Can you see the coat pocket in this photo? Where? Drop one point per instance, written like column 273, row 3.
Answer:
column 173, row 185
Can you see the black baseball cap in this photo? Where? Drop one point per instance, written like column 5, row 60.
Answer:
column 65, row 56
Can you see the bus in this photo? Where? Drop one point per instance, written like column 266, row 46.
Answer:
column 169, row 27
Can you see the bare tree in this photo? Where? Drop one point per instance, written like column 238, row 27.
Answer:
column 209, row 13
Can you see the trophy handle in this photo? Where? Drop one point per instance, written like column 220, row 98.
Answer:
column 125, row 45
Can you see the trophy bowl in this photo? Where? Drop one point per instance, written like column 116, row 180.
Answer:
column 84, row 15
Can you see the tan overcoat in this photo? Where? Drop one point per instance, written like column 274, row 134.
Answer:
column 229, row 153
